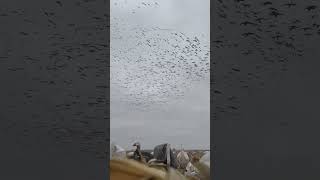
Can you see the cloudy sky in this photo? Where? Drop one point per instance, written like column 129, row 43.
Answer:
column 150, row 102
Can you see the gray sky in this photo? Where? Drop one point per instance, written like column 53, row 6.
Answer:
column 159, row 106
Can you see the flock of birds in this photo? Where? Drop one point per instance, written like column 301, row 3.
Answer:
column 152, row 66
column 57, row 68
column 148, row 65
column 266, row 38
column 135, row 6
column 61, row 68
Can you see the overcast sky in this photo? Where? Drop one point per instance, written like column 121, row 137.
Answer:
column 182, row 120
